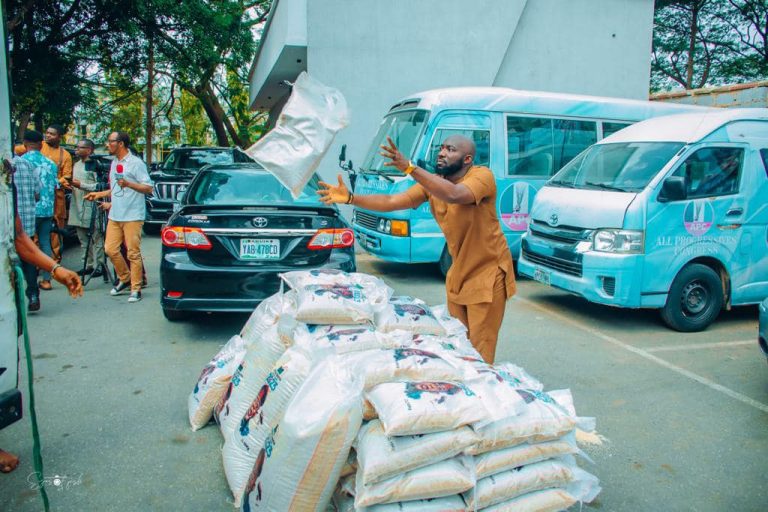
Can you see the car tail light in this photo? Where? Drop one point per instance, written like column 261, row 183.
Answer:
column 331, row 239
column 185, row 238
column 174, row 295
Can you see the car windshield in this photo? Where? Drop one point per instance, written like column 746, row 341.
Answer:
column 195, row 159
column 623, row 167
column 242, row 187
column 405, row 129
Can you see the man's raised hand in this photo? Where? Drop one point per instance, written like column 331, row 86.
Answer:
column 330, row 194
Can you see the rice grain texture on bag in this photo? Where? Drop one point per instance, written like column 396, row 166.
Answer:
column 213, row 382
column 549, row 500
column 260, row 356
column 423, row 407
column 516, row 482
column 243, row 449
column 263, row 317
column 408, row 314
column 343, row 339
column 445, row 504
column 304, row 458
column 446, row 478
column 497, row 461
column 546, row 416
column 381, row 457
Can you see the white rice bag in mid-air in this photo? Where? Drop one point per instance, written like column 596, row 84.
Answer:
column 546, row 416
column 446, row 478
column 547, row 474
column 257, row 424
column 408, row 314
column 423, row 407
column 302, row 461
column 381, row 457
column 212, row 384
column 307, row 125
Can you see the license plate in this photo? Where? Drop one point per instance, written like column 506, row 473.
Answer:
column 541, row 276
column 259, row 248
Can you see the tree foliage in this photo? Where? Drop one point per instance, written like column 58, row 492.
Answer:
column 698, row 43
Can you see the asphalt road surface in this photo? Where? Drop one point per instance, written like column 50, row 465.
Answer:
column 683, row 417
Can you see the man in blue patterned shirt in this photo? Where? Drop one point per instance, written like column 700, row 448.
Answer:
column 48, row 173
column 27, row 181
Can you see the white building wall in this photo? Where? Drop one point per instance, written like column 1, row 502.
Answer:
column 378, row 52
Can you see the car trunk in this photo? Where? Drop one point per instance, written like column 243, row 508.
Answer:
column 259, row 237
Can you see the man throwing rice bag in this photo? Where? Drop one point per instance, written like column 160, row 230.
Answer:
column 462, row 198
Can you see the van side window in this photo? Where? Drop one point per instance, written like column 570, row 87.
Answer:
column 764, row 156
column 481, row 138
column 541, row 146
column 611, row 128
column 712, row 171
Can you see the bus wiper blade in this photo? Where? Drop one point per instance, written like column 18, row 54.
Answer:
column 560, row 183
column 605, row 186
column 376, row 171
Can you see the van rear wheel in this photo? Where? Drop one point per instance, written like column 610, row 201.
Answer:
column 695, row 299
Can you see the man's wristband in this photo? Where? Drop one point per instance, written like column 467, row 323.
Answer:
column 410, row 168
column 53, row 269
column 350, row 198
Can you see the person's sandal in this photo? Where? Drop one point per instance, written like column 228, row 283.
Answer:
column 45, row 285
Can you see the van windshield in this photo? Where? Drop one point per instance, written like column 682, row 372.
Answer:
column 405, row 129
column 624, row 167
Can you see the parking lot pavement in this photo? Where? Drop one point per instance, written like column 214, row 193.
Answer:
column 683, row 416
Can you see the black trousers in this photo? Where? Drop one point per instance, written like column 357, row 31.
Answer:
column 30, row 276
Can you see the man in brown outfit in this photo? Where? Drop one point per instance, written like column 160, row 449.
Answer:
column 462, row 198
column 52, row 150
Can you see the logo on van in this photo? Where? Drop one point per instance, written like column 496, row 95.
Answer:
column 698, row 217
column 515, row 205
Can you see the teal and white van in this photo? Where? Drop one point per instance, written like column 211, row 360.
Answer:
column 670, row 213
column 523, row 136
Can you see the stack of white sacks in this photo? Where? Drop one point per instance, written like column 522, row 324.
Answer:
column 336, row 395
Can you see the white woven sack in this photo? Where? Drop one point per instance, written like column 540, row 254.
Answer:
column 304, row 461
column 545, row 416
column 444, row 504
column 213, row 382
column 263, row 317
column 446, row 478
column 309, row 121
column 242, row 449
column 411, row 408
column 553, row 473
column 260, row 356
column 497, row 461
column 408, row 364
column 381, row 457
column 548, row 500
column 408, row 314
column 343, row 339
column 452, row 325
column 457, row 345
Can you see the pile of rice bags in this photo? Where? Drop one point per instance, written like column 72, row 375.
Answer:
column 337, row 395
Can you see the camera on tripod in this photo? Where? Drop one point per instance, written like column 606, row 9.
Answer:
column 100, row 172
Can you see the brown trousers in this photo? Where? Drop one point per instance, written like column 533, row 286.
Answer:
column 483, row 320
column 60, row 217
column 130, row 232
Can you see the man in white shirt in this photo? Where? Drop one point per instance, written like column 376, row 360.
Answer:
column 129, row 183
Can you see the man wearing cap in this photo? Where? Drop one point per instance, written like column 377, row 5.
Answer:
column 462, row 198
column 129, row 182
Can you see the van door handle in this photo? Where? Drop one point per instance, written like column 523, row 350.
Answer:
column 735, row 211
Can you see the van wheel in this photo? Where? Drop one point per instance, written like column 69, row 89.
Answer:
column 174, row 315
column 695, row 299
column 445, row 261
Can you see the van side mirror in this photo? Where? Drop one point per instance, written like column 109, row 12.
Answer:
column 674, row 188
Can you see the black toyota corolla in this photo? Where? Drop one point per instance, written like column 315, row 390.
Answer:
column 236, row 229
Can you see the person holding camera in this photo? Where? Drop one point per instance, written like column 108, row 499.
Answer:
column 85, row 178
column 130, row 182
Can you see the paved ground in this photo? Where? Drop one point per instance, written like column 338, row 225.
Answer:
column 685, row 417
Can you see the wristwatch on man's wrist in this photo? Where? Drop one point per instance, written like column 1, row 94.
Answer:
column 410, row 168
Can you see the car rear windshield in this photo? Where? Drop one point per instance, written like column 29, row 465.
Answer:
column 242, row 187
column 195, row 159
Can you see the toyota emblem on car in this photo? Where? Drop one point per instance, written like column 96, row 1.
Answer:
column 260, row 222
column 553, row 219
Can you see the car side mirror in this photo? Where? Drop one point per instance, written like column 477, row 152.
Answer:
column 180, row 194
column 674, row 188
